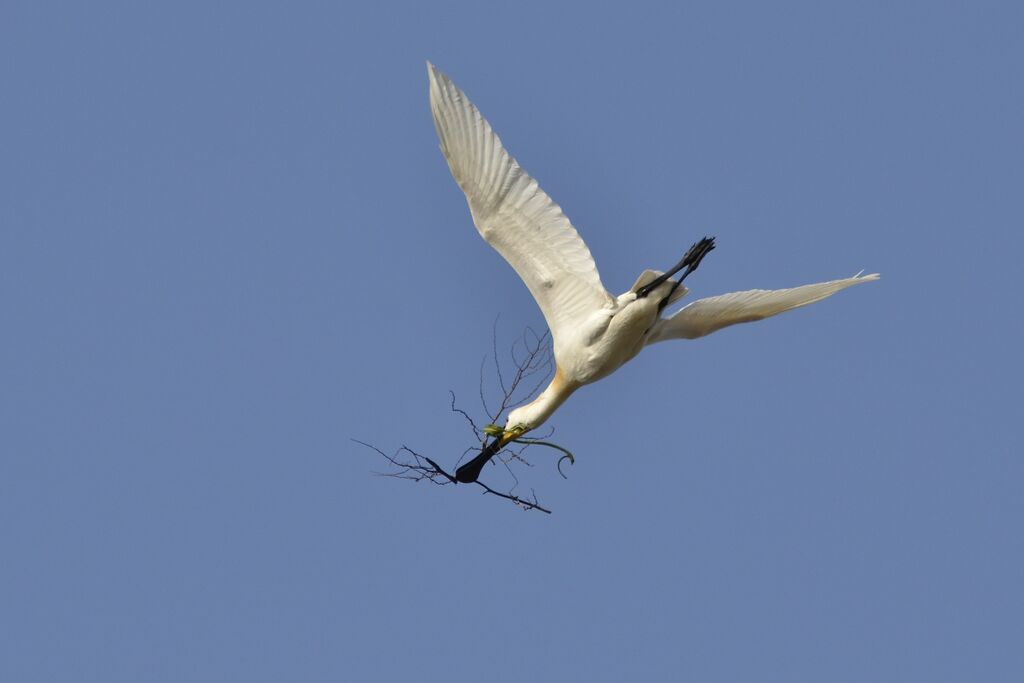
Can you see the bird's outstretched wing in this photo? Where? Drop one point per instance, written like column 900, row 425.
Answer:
column 513, row 214
column 705, row 316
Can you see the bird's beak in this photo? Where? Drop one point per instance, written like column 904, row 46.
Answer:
column 469, row 472
column 498, row 442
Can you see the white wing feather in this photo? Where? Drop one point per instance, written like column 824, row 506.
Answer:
column 705, row 316
column 513, row 214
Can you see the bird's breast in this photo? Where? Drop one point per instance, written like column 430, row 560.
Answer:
column 600, row 348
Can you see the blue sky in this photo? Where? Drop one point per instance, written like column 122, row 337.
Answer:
column 229, row 244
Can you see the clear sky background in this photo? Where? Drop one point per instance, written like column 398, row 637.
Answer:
column 229, row 244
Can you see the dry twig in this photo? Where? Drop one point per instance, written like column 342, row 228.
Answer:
column 532, row 359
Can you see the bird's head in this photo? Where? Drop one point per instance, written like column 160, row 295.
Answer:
column 517, row 424
column 522, row 419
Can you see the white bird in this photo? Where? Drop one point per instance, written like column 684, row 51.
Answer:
column 593, row 332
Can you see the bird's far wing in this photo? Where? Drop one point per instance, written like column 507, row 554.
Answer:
column 705, row 316
column 513, row 214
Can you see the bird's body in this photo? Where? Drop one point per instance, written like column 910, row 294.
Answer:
column 610, row 336
column 599, row 346
column 593, row 332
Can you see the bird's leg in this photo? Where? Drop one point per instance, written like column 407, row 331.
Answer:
column 704, row 249
column 690, row 261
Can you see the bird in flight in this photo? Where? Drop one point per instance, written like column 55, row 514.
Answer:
column 593, row 332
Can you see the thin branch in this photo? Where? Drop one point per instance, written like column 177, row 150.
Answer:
column 532, row 359
column 538, row 357
column 521, row 502
column 413, row 470
column 568, row 455
column 431, row 471
column 494, row 351
column 463, row 413
column 483, row 400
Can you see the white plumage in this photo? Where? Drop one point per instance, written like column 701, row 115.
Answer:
column 593, row 332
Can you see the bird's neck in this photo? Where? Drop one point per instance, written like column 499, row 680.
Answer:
column 541, row 408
